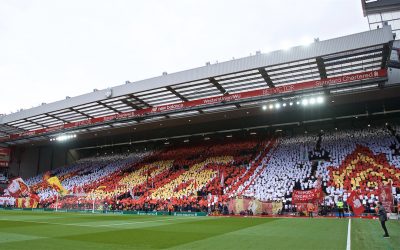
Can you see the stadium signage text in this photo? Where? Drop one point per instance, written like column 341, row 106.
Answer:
column 207, row 101
column 301, row 196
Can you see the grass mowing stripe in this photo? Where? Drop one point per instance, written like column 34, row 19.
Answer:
column 279, row 234
column 104, row 225
column 133, row 232
column 14, row 237
column 171, row 235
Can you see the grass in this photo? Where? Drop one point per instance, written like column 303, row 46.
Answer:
column 367, row 234
column 50, row 230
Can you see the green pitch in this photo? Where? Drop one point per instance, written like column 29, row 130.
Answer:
column 51, row 230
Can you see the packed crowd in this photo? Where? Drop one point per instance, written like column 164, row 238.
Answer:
column 287, row 166
column 86, row 172
column 181, row 177
column 204, row 176
column 343, row 161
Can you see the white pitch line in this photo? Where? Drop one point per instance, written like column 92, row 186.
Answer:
column 348, row 236
column 126, row 223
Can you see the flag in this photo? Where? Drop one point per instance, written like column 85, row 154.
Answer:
column 195, row 184
column 222, row 180
column 46, row 176
column 355, row 203
column 18, row 187
column 19, row 202
column 55, row 183
column 386, row 197
column 34, row 200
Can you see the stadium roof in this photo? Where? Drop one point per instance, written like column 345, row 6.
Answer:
column 319, row 63
column 379, row 6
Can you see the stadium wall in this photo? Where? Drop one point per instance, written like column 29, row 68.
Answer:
column 30, row 161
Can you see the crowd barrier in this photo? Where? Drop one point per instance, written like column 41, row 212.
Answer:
column 154, row 213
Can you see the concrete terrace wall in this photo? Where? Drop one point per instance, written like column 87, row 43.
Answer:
column 30, row 161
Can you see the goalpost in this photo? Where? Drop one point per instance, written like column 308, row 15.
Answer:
column 85, row 202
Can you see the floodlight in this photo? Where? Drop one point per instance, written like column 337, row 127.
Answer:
column 304, row 102
column 64, row 137
column 320, row 99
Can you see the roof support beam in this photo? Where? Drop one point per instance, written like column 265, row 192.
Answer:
column 79, row 112
column 321, row 67
column 140, row 100
column 385, row 55
column 128, row 103
column 55, row 117
column 266, row 77
column 220, row 88
column 173, row 91
column 10, row 127
column 36, row 123
column 109, row 107
column 349, row 54
column 353, row 60
column 217, row 85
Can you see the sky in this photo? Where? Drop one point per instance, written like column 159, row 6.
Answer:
column 52, row 49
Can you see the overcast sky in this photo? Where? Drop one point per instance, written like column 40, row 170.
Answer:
column 52, row 49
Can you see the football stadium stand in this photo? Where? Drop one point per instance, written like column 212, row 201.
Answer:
column 274, row 133
column 204, row 176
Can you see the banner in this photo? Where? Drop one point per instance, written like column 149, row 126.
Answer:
column 306, row 196
column 209, row 101
column 386, row 197
column 257, row 207
column 28, row 202
column 17, row 188
column 4, row 157
column 355, row 203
